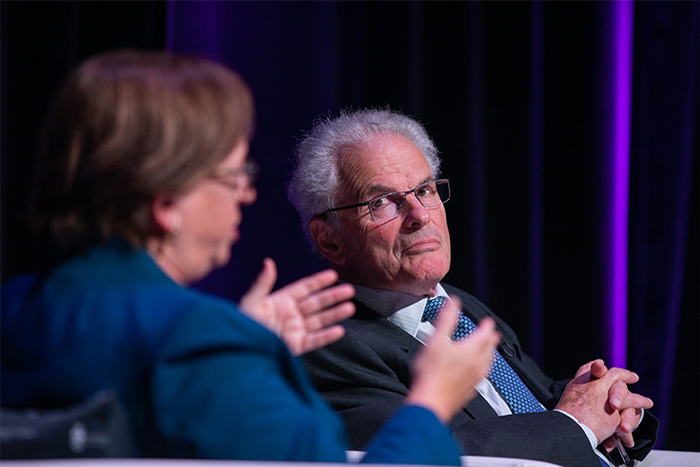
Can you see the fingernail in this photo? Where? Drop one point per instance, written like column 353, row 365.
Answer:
column 615, row 402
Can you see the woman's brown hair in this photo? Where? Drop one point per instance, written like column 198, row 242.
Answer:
column 126, row 126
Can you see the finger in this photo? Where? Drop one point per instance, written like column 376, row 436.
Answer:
column 308, row 285
column 621, row 398
column 263, row 283
column 325, row 298
column 329, row 317
column 620, row 374
column 482, row 342
column 485, row 337
column 447, row 319
column 487, row 326
column 583, row 369
column 636, row 401
column 609, row 444
column 626, row 438
column 628, row 420
column 454, row 301
column 486, row 330
column 322, row 338
column 598, row 369
column 617, row 393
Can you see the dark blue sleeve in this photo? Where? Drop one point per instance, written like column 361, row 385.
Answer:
column 413, row 436
column 226, row 388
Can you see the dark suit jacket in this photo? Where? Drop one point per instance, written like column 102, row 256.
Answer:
column 197, row 378
column 366, row 375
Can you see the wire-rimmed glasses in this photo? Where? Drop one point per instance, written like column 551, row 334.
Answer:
column 241, row 178
column 390, row 206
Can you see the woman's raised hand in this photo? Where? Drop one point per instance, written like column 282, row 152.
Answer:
column 305, row 313
column 445, row 372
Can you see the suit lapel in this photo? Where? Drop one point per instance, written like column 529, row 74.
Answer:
column 476, row 408
column 372, row 320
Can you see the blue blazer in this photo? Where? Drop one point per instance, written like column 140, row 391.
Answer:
column 196, row 377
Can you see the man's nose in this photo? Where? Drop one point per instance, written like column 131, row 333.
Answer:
column 415, row 214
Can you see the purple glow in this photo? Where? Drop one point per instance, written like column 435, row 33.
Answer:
column 623, row 17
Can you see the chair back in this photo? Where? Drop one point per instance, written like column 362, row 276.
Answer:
column 96, row 427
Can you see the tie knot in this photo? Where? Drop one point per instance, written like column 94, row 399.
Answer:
column 432, row 308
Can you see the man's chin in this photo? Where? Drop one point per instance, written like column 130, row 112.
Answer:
column 424, row 282
column 428, row 267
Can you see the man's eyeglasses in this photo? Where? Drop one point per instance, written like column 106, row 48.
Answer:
column 390, row 206
column 238, row 179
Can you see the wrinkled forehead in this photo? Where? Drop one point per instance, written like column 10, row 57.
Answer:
column 382, row 164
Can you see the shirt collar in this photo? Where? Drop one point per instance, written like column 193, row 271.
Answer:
column 400, row 308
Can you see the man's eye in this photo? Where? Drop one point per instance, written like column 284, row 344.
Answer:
column 424, row 191
column 380, row 203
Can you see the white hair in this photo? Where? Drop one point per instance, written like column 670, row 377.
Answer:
column 315, row 179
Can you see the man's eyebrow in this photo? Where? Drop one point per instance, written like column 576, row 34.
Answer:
column 378, row 190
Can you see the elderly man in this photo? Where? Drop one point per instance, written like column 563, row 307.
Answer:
column 367, row 187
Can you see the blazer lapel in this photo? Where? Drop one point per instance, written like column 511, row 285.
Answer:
column 477, row 408
column 372, row 320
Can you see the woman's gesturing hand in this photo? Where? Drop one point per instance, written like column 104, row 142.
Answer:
column 445, row 372
column 305, row 313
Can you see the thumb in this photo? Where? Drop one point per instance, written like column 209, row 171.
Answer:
column 598, row 369
column 584, row 371
column 447, row 318
column 263, row 283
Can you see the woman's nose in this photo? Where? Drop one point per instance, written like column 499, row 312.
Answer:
column 248, row 195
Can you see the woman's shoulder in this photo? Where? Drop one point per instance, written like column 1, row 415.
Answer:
column 117, row 291
column 215, row 321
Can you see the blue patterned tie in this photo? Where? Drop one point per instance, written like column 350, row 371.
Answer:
column 518, row 397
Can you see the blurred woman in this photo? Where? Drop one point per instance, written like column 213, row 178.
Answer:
column 142, row 176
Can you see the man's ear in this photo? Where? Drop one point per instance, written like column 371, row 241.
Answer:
column 326, row 240
column 165, row 214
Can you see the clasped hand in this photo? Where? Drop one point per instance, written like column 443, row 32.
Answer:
column 599, row 398
column 305, row 313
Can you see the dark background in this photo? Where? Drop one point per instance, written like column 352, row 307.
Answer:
column 516, row 95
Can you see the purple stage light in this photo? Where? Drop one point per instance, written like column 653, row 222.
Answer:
column 623, row 18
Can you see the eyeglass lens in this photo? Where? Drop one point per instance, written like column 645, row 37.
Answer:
column 242, row 178
column 430, row 195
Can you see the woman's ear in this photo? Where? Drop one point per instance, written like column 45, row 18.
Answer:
column 327, row 241
column 165, row 214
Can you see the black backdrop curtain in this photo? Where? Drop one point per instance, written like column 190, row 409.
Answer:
column 519, row 98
